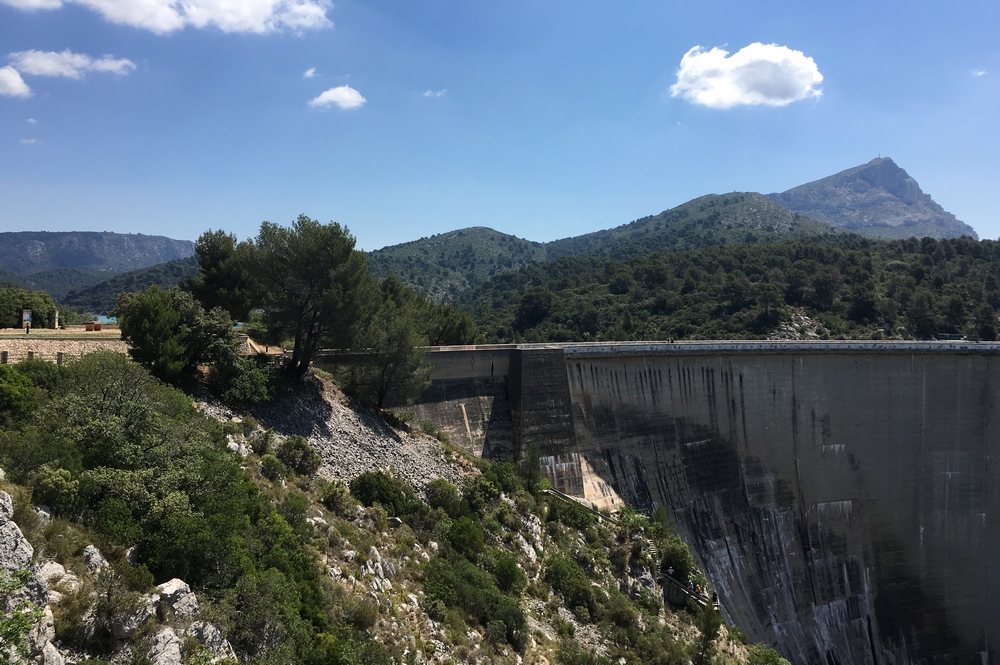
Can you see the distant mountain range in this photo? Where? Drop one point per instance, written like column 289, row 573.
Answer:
column 29, row 252
column 445, row 265
column 876, row 199
column 879, row 199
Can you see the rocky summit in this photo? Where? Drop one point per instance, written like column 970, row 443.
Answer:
column 877, row 199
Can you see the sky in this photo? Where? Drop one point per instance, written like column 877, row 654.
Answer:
column 406, row 118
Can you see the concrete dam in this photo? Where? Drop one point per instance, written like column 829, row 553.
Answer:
column 841, row 496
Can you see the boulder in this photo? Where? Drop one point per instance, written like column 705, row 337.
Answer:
column 212, row 638
column 95, row 560
column 166, row 648
column 15, row 550
column 51, row 572
column 123, row 627
column 51, row 655
column 44, row 513
column 179, row 597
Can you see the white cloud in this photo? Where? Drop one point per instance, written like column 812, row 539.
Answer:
column 34, row 4
column 765, row 74
column 31, row 121
column 343, row 96
column 979, row 72
column 11, row 83
column 163, row 16
column 68, row 64
column 309, row 73
column 436, row 93
column 27, row 141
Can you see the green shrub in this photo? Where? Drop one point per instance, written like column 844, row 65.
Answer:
column 480, row 493
column 260, row 443
column 18, row 396
column 675, row 554
column 463, row 584
column 57, row 489
column 509, row 576
column 568, row 580
column 272, row 468
column 466, row 537
column 45, row 375
column 244, row 381
column 760, row 654
column 379, row 487
column 334, row 496
column 298, row 456
column 571, row 653
column 442, row 494
column 570, row 513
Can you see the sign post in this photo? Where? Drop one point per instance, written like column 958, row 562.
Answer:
column 26, row 320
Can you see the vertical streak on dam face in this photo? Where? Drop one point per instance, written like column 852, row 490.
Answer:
column 838, row 500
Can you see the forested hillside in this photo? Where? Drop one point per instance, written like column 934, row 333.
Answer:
column 740, row 217
column 100, row 298
column 854, row 287
column 446, row 265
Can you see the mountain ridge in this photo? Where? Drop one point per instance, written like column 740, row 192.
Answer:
column 28, row 252
column 877, row 199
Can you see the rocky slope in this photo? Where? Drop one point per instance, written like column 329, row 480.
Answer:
column 384, row 573
column 877, row 199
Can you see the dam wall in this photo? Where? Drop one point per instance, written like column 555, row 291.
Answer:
column 841, row 496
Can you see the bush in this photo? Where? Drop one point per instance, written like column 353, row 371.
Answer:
column 57, row 489
column 260, row 443
column 334, row 496
column 570, row 513
column 465, row 585
column 442, row 494
column 568, row 579
column 676, row 554
column 764, row 655
column 272, row 468
column 378, row 487
column 43, row 374
column 18, row 396
column 244, row 381
column 509, row 576
column 296, row 454
column 466, row 537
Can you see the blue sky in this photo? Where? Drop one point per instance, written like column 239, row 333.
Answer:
column 538, row 118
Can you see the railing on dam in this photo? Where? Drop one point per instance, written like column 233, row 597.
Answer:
column 737, row 346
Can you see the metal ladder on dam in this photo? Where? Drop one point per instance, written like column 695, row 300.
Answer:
column 664, row 578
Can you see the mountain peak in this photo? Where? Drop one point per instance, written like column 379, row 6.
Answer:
column 876, row 199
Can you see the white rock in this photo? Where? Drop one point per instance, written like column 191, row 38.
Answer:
column 179, row 597
column 413, row 600
column 15, row 550
column 166, row 649
column 3, row 476
column 94, row 558
column 212, row 638
column 51, row 572
column 44, row 513
column 432, row 546
column 123, row 627
column 51, row 655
